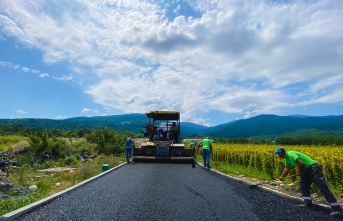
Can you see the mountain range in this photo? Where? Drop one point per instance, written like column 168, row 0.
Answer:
column 260, row 127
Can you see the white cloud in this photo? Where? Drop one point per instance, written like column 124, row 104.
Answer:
column 92, row 112
column 43, row 75
column 85, row 110
column 5, row 64
column 335, row 96
column 248, row 57
column 64, row 78
column 25, row 69
column 61, row 117
column 22, row 112
column 326, row 84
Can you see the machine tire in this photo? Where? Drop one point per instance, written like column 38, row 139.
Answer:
column 193, row 164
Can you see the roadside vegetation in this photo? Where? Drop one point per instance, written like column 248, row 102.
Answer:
column 262, row 161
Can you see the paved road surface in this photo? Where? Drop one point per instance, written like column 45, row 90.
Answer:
column 143, row 191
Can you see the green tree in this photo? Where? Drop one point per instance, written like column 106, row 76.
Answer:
column 108, row 141
column 44, row 143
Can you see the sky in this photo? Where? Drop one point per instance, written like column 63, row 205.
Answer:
column 215, row 61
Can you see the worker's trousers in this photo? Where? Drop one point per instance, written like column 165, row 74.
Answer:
column 128, row 153
column 314, row 174
column 206, row 156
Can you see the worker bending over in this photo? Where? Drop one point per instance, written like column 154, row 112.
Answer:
column 309, row 172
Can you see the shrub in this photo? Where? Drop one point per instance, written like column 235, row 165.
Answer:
column 70, row 160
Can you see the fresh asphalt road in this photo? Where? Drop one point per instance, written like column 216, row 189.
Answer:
column 154, row 191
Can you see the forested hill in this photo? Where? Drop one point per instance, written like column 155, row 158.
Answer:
column 269, row 126
column 275, row 126
column 126, row 122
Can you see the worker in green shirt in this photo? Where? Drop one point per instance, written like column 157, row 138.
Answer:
column 206, row 151
column 309, row 172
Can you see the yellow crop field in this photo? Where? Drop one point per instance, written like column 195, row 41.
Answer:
column 263, row 158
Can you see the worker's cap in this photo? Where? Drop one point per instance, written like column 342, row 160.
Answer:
column 280, row 150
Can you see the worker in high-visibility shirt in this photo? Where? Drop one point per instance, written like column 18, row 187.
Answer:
column 309, row 172
column 206, row 151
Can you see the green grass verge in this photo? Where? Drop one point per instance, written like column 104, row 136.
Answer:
column 236, row 170
column 46, row 181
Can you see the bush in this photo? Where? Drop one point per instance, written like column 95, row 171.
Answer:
column 70, row 160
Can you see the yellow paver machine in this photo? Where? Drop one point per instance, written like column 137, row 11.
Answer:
column 163, row 133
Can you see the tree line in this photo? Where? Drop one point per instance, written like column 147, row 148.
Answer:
column 324, row 140
column 58, row 143
column 94, row 136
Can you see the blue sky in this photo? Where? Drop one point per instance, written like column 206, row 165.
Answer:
column 214, row 60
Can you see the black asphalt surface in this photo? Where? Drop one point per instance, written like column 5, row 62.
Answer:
column 152, row 191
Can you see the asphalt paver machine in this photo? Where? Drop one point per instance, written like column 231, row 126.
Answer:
column 163, row 133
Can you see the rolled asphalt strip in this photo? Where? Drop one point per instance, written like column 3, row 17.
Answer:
column 21, row 211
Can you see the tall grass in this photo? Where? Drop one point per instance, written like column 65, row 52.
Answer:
column 8, row 141
column 22, row 175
